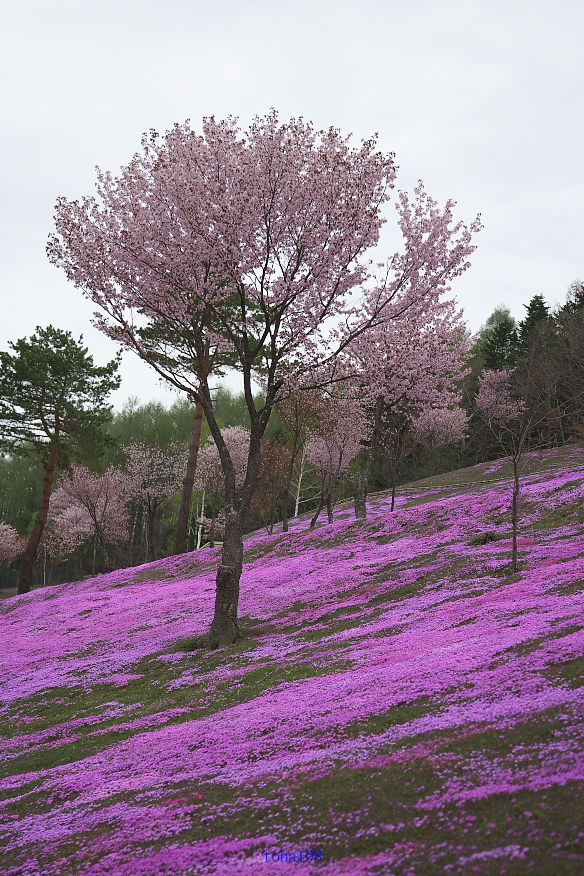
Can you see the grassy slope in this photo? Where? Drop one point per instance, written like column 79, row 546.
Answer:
column 399, row 701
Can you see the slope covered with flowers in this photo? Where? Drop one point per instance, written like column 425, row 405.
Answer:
column 398, row 704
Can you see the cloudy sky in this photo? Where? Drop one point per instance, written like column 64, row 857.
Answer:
column 480, row 99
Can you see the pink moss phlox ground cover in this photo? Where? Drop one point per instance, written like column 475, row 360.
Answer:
column 396, row 646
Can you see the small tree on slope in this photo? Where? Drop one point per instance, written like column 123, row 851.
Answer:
column 102, row 500
column 438, row 426
column 509, row 420
column 154, row 475
column 406, row 368
column 267, row 232
column 334, row 444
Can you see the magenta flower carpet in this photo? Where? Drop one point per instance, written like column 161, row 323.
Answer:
column 399, row 702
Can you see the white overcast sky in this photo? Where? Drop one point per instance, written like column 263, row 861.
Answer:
column 480, row 99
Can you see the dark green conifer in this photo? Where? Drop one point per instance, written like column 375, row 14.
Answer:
column 537, row 310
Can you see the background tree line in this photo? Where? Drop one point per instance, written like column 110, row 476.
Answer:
column 299, row 471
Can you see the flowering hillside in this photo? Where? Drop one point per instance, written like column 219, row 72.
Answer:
column 398, row 703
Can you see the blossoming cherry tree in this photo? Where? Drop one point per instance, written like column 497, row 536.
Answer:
column 251, row 244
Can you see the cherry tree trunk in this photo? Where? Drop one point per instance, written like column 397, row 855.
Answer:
column 180, row 541
column 299, row 487
column 39, row 526
column 318, row 510
column 102, row 541
column 289, row 476
column 285, row 511
column 363, row 480
column 224, row 628
column 329, row 506
column 393, row 486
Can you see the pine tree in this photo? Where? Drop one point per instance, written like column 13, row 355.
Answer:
column 537, row 310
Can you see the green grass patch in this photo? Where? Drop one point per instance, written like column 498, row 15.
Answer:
column 569, row 671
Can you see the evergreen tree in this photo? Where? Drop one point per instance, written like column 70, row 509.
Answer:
column 537, row 310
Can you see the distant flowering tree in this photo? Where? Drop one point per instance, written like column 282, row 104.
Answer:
column 495, row 402
column 209, row 475
column 436, row 427
column 11, row 544
column 212, row 527
column 278, row 464
column 509, row 421
column 69, row 526
column 154, row 475
column 101, row 500
column 334, row 444
column 252, row 244
column 409, row 367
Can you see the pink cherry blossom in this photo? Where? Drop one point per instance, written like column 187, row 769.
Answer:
column 88, row 504
column 11, row 544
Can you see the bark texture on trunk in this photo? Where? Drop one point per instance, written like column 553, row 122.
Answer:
column 35, row 539
column 180, row 541
column 224, row 628
column 360, row 500
column 329, row 506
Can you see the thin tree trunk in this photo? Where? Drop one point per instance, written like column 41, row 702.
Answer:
column 102, row 542
column 200, row 523
column 329, row 506
column 289, row 476
column 515, row 512
column 300, row 476
column 212, row 529
column 393, row 485
column 285, row 511
column 180, row 541
column 318, row 510
column 363, row 481
column 35, row 539
column 433, row 463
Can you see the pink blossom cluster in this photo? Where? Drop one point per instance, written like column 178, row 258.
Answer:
column 336, row 440
column 437, row 426
column 209, row 474
column 86, row 505
column 494, row 398
column 11, row 544
column 154, row 474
